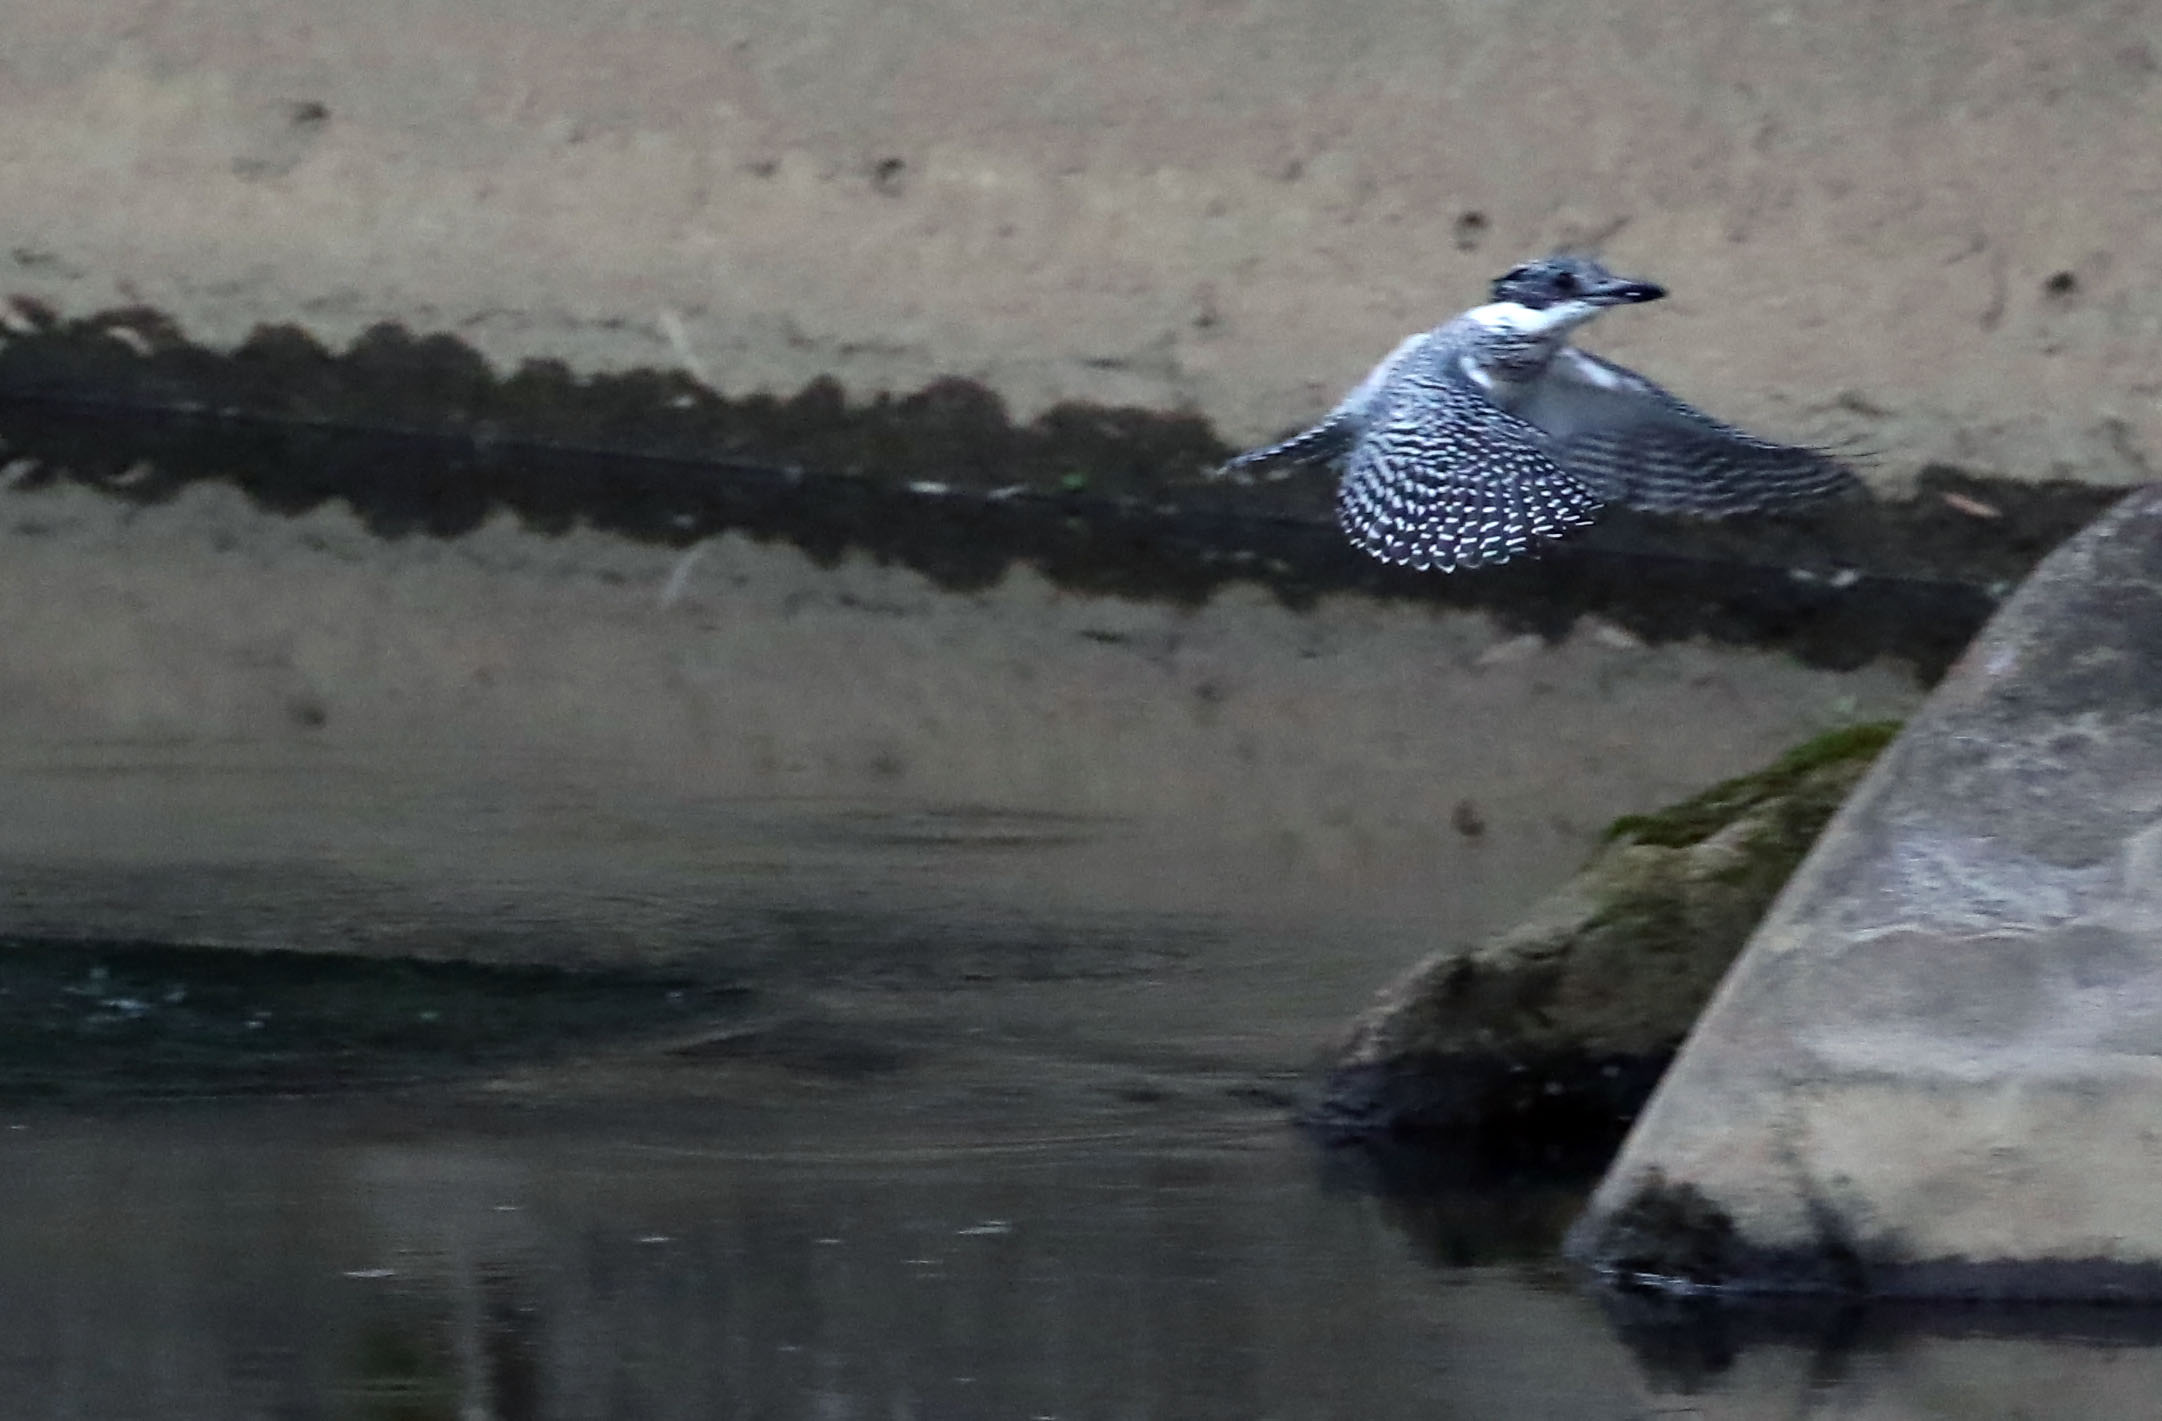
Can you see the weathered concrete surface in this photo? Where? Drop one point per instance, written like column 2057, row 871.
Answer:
column 220, row 724
column 1934, row 1068
column 1931, row 228
column 1559, row 1026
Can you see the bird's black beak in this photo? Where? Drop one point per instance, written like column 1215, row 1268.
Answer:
column 1618, row 292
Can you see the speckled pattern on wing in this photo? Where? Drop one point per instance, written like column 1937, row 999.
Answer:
column 1705, row 474
column 1448, row 481
column 1653, row 452
column 1472, row 441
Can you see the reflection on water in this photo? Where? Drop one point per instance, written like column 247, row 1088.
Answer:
column 275, row 1263
column 292, row 1261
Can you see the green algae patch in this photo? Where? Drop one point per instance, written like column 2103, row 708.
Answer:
column 1701, row 815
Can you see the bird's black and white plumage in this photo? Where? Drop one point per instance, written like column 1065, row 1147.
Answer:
column 1477, row 438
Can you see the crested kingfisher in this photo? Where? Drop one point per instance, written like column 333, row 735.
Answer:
column 1490, row 431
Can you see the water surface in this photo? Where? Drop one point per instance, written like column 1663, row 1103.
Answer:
column 297, row 1260
column 988, row 941
column 408, row 1259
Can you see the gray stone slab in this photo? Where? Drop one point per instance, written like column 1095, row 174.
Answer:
column 1937, row 1068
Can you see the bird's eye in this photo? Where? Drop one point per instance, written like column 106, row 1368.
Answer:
column 1564, row 282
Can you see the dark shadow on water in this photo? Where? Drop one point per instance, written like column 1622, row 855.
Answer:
column 1462, row 1208
column 1479, row 1160
column 1690, row 1344
column 1558, row 1110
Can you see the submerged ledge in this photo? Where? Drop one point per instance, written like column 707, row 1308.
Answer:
column 421, row 437
column 102, row 1021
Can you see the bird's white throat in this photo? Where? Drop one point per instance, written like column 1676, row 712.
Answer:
column 1509, row 318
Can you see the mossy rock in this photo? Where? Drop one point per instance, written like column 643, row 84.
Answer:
column 1598, row 985
column 1700, row 816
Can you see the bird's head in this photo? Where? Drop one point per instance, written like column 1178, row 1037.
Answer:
column 1548, row 298
column 1568, row 280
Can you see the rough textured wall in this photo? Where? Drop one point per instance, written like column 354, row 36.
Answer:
column 572, row 731
column 1932, row 225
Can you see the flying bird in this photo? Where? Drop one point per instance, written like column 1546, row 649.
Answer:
column 1475, row 439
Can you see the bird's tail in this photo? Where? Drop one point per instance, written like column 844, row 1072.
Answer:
column 1322, row 444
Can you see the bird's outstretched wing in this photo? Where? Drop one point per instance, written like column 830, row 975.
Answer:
column 1641, row 447
column 1448, row 481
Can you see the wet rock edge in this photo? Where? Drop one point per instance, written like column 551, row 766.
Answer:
column 1563, row 1110
column 1670, row 1240
column 1519, row 1103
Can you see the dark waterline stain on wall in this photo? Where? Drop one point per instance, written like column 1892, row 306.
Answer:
column 421, row 437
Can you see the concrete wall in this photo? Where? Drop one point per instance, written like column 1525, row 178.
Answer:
column 224, row 725
column 1931, row 225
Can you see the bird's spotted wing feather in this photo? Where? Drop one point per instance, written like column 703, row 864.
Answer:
column 1641, row 447
column 1447, row 481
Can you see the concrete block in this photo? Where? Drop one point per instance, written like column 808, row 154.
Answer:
column 1937, row 1067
